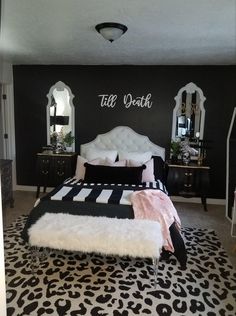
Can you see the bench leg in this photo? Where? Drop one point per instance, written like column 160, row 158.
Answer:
column 34, row 259
column 155, row 262
column 37, row 255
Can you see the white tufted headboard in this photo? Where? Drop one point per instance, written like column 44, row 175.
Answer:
column 123, row 138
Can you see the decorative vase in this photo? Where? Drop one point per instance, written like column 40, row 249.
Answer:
column 69, row 149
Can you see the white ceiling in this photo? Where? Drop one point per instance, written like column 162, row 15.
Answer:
column 168, row 32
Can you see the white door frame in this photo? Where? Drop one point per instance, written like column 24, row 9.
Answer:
column 2, row 263
column 227, row 164
column 8, row 122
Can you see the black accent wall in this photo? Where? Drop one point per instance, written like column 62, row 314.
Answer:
column 32, row 84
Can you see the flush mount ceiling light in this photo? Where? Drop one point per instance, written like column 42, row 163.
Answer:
column 111, row 30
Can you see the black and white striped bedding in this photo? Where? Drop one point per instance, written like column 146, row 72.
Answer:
column 77, row 198
column 74, row 190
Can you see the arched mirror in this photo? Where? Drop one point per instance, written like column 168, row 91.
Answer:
column 189, row 113
column 60, row 112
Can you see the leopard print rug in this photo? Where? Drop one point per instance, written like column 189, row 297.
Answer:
column 74, row 284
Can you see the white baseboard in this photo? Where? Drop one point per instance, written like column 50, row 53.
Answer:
column 29, row 188
column 197, row 200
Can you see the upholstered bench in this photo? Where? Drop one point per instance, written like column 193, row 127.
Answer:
column 108, row 236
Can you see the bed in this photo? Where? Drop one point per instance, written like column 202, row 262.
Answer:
column 99, row 209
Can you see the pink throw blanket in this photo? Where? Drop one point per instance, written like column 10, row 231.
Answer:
column 156, row 205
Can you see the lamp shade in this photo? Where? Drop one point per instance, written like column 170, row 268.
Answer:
column 59, row 120
column 111, row 30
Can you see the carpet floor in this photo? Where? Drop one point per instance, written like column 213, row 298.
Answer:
column 73, row 284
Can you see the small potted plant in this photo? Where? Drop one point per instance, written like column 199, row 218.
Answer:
column 68, row 141
column 175, row 147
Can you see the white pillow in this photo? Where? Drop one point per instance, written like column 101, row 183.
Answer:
column 80, row 168
column 95, row 153
column 119, row 163
column 148, row 173
column 137, row 156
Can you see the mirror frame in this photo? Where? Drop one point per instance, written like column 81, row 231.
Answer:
column 60, row 86
column 189, row 88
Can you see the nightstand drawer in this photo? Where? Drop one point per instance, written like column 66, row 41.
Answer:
column 188, row 181
column 53, row 169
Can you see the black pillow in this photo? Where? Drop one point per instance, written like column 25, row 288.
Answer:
column 117, row 175
column 159, row 169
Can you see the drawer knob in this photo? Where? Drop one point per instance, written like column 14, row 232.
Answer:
column 60, row 162
column 188, row 174
column 60, row 173
column 44, row 171
column 188, row 185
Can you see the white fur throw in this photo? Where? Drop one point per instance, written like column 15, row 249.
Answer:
column 109, row 236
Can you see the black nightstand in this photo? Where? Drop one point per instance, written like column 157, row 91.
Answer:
column 188, row 181
column 6, row 180
column 53, row 169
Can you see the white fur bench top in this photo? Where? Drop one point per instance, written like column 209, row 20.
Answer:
column 109, row 236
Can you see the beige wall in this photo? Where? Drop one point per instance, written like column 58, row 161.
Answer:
column 6, row 73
